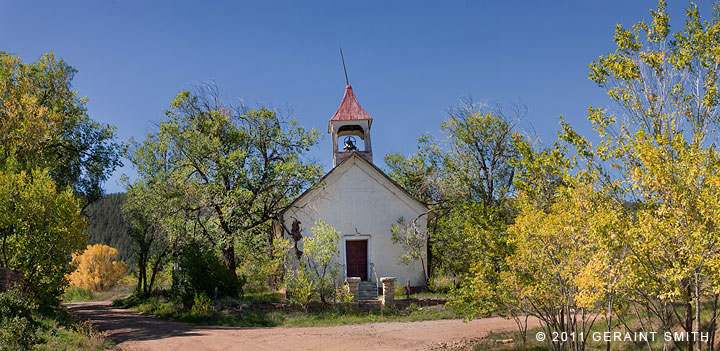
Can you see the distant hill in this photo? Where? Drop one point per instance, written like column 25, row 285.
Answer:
column 106, row 225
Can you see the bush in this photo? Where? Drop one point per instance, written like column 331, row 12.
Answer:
column 201, row 271
column 343, row 294
column 441, row 284
column 400, row 291
column 201, row 305
column 300, row 286
column 17, row 326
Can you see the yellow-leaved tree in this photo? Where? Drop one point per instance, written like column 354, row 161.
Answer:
column 97, row 269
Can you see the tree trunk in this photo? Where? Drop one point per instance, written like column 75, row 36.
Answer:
column 609, row 321
column 156, row 268
column 142, row 266
column 229, row 256
column 713, row 323
column 698, row 345
column 689, row 317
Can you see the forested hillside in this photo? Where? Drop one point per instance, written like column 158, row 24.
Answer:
column 107, row 226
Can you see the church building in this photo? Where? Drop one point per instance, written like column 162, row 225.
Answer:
column 361, row 202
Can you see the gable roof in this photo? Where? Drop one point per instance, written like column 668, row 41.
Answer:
column 352, row 157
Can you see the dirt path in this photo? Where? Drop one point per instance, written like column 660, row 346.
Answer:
column 132, row 331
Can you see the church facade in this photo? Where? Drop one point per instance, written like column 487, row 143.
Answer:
column 361, row 202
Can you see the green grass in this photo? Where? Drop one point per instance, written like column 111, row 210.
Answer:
column 58, row 330
column 254, row 318
column 251, row 298
column 170, row 310
column 76, row 294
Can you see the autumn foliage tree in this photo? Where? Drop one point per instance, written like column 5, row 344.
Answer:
column 97, row 268
column 661, row 147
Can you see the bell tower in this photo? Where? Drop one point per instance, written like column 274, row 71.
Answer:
column 349, row 124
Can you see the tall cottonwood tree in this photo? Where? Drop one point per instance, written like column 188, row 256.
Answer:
column 228, row 170
column 465, row 176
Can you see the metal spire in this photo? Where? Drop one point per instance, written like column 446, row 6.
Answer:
column 344, row 70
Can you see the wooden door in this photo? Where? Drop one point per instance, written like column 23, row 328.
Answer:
column 356, row 255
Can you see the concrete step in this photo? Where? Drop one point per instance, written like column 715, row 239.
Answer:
column 367, row 291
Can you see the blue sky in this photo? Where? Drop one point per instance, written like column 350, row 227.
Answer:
column 407, row 61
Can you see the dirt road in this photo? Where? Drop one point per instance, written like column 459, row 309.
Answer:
column 132, row 331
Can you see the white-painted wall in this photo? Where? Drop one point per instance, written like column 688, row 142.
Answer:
column 361, row 203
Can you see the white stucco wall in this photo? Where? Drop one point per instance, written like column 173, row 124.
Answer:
column 361, row 203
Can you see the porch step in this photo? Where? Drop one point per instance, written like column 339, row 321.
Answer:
column 367, row 291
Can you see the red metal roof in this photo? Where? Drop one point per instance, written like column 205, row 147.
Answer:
column 350, row 108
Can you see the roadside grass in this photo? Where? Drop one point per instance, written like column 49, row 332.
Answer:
column 77, row 294
column 170, row 310
column 256, row 318
column 252, row 298
column 58, row 330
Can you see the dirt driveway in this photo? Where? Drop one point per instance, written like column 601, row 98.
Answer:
column 132, row 331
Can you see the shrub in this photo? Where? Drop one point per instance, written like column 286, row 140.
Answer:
column 441, row 284
column 300, row 286
column 17, row 326
column 343, row 294
column 321, row 259
column 201, row 305
column 400, row 291
column 201, row 271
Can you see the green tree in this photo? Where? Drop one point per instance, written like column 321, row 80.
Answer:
column 40, row 227
column 485, row 289
column 226, row 170
column 466, row 178
column 53, row 161
column 150, row 221
column 45, row 125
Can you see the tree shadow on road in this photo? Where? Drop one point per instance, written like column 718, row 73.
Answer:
column 125, row 325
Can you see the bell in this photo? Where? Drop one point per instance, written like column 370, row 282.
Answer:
column 350, row 145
